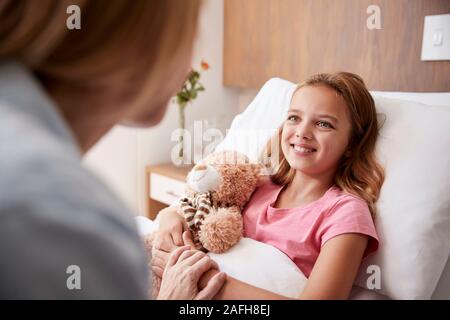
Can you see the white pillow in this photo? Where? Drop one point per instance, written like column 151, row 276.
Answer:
column 414, row 206
column 430, row 98
column 413, row 221
column 251, row 129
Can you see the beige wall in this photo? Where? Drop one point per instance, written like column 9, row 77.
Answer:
column 245, row 97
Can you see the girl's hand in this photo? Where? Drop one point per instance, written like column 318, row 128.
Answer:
column 169, row 235
column 184, row 269
column 160, row 257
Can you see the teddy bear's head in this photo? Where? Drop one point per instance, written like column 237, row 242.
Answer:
column 228, row 176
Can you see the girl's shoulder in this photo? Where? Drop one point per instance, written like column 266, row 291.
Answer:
column 265, row 191
column 337, row 199
column 338, row 193
column 267, row 185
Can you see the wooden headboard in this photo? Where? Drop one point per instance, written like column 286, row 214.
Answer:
column 294, row 39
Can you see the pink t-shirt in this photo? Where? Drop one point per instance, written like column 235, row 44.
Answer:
column 301, row 232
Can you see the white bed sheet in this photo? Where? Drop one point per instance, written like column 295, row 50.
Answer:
column 264, row 266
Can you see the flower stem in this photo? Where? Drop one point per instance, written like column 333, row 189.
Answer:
column 182, row 126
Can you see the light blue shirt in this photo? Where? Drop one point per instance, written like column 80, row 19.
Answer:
column 54, row 213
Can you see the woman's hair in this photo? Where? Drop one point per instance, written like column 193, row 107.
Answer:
column 126, row 47
column 359, row 172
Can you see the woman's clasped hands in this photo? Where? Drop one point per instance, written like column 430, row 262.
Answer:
column 179, row 264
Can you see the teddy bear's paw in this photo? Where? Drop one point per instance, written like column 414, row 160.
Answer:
column 221, row 231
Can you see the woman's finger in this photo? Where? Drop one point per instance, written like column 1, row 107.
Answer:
column 212, row 287
column 193, row 258
column 173, row 258
column 200, row 267
column 159, row 258
column 185, row 255
column 214, row 264
column 158, row 271
column 156, row 261
column 160, row 254
column 187, row 239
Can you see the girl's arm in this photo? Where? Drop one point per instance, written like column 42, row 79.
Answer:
column 236, row 289
column 336, row 267
column 331, row 278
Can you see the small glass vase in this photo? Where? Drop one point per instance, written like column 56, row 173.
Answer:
column 184, row 152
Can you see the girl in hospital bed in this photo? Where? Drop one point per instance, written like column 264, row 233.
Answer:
column 319, row 203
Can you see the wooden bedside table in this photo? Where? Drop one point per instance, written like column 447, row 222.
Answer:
column 164, row 184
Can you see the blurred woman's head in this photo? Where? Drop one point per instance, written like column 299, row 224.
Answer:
column 128, row 58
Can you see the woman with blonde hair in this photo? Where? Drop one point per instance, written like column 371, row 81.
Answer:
column 319, row 204
column 64, row 234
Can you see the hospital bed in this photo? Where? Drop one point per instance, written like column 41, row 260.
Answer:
column 413, row 220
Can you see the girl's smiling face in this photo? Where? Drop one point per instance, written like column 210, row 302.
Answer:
column 316, row 131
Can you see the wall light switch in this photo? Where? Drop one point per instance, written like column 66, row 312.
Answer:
column 436, row 38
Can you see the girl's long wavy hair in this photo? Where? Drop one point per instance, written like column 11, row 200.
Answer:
column 358, row 172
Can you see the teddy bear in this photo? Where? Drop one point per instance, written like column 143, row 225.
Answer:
column 218, row 188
